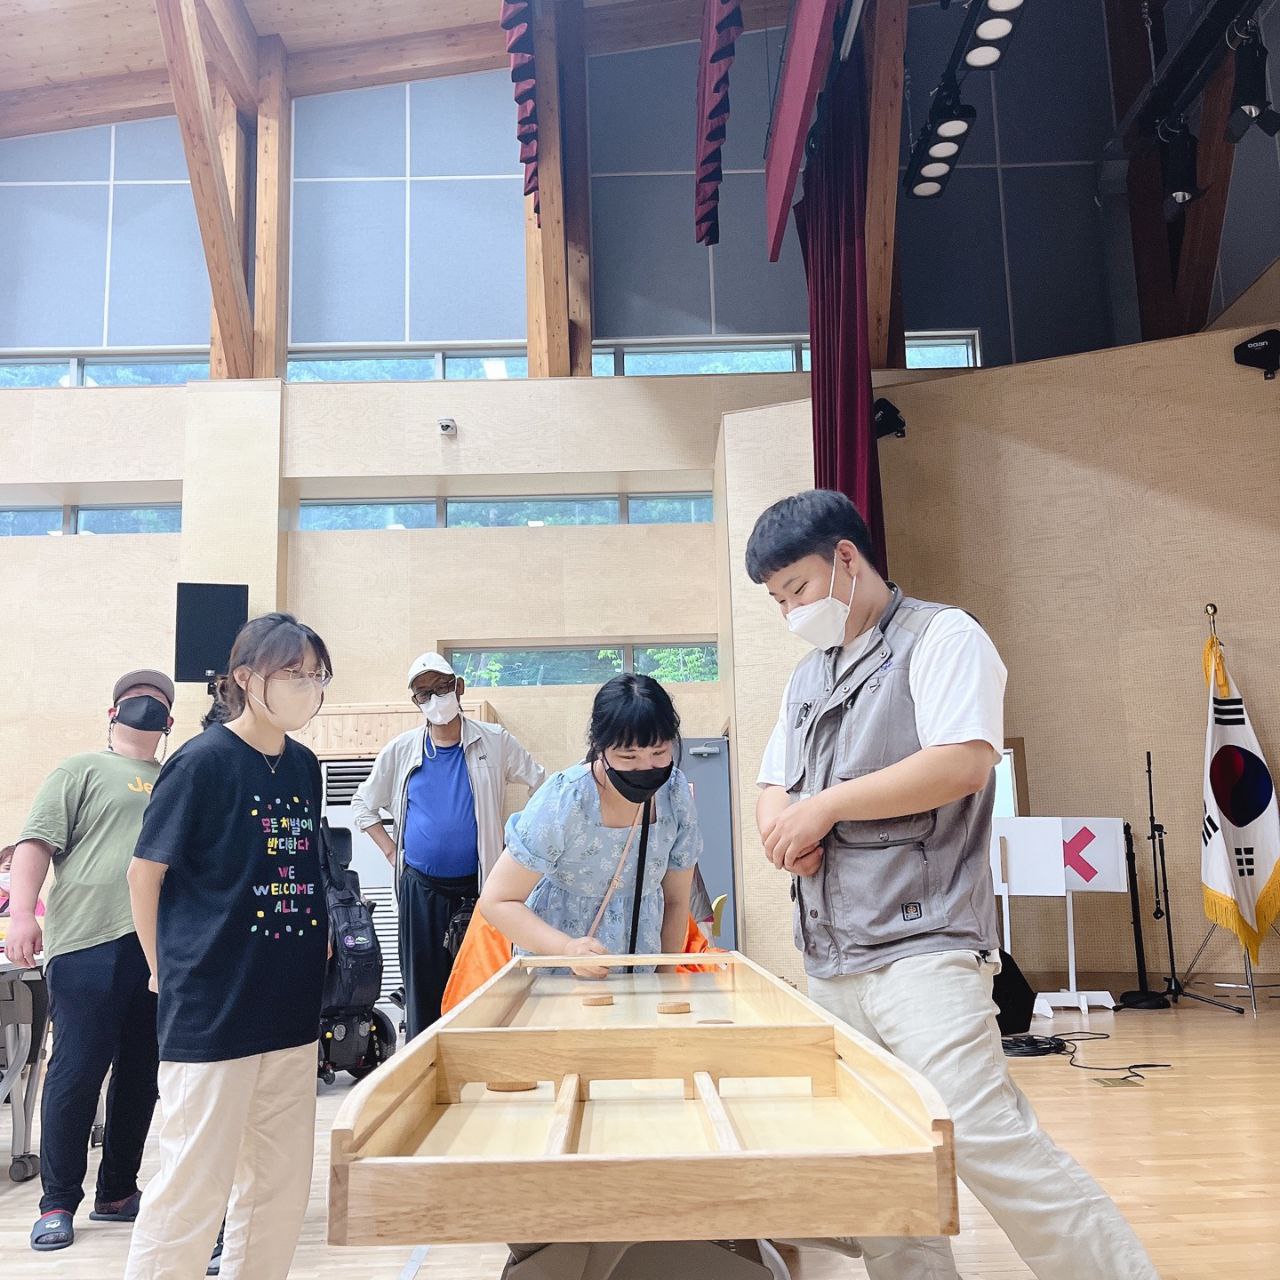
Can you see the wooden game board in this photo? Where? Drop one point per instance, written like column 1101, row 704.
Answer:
column 527, row 1115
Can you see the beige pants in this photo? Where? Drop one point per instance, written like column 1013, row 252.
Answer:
column 935, row 1012
column 236, row 1137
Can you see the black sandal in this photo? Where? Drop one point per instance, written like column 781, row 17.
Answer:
column 53, row 1230
column 125, row 1210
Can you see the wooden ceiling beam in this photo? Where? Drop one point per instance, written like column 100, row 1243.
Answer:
column 81, row 103
column 417, row 57
column 193, row 99
column 546, row 265
column 885, row 35
column 572, row 63
column 234, row 153
column 231, row 42
column 1202, row 231
column 271, row 244
column 636, row 24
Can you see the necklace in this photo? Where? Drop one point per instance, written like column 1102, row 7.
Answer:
column 267, row 761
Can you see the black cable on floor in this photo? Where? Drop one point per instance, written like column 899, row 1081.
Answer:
column 1047, row 1046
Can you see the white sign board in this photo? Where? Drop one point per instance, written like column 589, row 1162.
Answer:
column 1093, row 854
column 1026, row 857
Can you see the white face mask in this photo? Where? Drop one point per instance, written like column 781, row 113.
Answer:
column 823, row 623
column 293, row 704
column 441, row 709
column 4, row 882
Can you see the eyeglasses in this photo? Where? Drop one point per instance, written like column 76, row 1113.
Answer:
column 318, row 678
column 419, row 696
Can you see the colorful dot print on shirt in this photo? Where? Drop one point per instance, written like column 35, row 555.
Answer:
column 286, row 890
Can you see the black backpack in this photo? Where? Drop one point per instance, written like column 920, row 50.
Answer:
column 353, row 976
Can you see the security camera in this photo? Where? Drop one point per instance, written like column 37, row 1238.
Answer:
column 448, row 427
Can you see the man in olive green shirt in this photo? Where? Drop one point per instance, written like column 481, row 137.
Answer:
column 85, row 821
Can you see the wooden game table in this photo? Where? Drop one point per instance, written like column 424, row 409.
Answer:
column 596, row 1115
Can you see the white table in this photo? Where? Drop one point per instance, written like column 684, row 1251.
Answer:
column 24, row 1019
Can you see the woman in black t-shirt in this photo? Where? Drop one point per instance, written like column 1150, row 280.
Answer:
column 230, row 909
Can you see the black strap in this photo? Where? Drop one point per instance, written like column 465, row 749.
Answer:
column 640, row 861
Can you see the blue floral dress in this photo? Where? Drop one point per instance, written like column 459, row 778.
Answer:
column 561, row 835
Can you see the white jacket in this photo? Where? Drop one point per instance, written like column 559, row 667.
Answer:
column 494, row 758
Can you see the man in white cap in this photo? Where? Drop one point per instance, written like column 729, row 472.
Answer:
column 85, row 821
column 443, row 785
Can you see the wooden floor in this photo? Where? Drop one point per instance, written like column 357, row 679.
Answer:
column 1192, row 1157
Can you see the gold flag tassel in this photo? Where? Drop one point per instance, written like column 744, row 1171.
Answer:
column 1215, row 667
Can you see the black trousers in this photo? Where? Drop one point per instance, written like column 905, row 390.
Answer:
column 427, row 904
column 103, row 1017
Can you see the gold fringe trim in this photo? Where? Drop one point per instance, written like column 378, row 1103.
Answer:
column 1224, row 910
column 1215, row 666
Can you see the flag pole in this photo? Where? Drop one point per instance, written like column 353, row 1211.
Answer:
column 1249, row 983
column 1174, row 987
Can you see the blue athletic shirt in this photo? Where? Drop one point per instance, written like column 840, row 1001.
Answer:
column 440, row 837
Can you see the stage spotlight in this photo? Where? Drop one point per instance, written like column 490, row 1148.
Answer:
column 1180, row 170
column 937, row 149
column 992, row 29
column 1249, row 102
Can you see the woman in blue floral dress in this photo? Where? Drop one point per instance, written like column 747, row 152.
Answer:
column 564, row 885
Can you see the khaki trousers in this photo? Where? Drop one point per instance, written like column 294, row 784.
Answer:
column 236, row 1138
column 935, row 1012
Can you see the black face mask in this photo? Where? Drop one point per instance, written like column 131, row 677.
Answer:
column 144, row 713
column 638, row 785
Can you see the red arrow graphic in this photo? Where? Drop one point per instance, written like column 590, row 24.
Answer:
column 1073, row 848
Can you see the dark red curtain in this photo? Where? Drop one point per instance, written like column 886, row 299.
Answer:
column 721, row 27
column 831, row 221
column 517, row 21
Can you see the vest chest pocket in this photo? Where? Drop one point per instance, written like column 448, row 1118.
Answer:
column 870, row 734
column 882, row 886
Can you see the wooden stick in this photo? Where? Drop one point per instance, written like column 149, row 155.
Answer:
column 722, row 1125
column 566, row 1118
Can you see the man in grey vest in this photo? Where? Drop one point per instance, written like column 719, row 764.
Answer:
column 877, row 789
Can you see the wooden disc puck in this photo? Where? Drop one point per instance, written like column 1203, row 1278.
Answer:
column 673, row 1006
column 593, row 1002
column 715, row 1022
column 511, row 1086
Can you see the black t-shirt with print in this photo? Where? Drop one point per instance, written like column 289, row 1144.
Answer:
column 243, row 927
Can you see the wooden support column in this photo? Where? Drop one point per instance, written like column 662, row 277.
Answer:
column 886, row 43
column 1202, row 232
column 231, row 146
column 572, row 65
column 231, row 41
column 192, row 98
column 546, row 269
column 271, row 260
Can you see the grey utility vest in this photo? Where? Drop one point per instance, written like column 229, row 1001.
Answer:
column 890, row 887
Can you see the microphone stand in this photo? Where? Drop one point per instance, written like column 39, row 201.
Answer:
column 1173, row 987
column 1143, row 997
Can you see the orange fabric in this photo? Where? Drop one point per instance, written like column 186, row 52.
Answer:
column 484, row 951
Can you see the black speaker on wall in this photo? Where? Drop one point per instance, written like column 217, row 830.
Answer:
column 209, row 615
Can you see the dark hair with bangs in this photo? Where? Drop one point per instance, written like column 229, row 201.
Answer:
column 631, row 711
column 271, row 643
column 810, row 523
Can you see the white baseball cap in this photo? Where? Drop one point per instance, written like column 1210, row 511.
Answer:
column 429, row 662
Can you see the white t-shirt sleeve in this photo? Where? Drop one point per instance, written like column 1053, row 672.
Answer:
column 773, row 768
column 957, row 683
